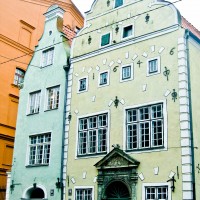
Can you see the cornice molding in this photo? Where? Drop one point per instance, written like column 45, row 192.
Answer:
column 7, row 137
column 7, row 126
column 124, row 43
column 15, row 44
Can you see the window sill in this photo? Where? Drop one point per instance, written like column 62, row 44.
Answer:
column 38, row 165
column 13, row 85
column 146, row 149
column 91, row 155
column 46, row 65
column 33, row 113
column 51, row 109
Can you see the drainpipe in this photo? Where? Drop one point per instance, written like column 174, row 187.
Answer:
column 66, row 68
column 190, row 114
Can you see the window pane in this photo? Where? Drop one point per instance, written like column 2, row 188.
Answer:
column 126, row 72
column 105, row 39
column 132, row 137
column 82, row 84
column 19, row 76
column 144, row 113
column 144, row 133
column 92, row 135
column 132, row 116
column 157, row 133
column 153, row 66
column 39, row 149
column 118, row 3
column 151, row 193
column 103, row 78
column 47, row 57
column 128, row 31
column 53, row 98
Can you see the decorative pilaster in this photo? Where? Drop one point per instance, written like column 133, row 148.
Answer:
column 185, row 121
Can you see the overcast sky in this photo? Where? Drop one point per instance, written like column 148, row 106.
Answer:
column 190, row 9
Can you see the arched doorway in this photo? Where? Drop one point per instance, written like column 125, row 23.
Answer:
column 117, row 190
column 37, row 193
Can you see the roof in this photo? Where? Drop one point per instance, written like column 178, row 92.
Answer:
column 70, row 34
column 187, row 25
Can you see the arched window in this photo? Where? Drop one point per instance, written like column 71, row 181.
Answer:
column 117, row 190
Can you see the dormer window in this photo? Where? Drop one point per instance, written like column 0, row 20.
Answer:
column 118, row 3
column 47, row 57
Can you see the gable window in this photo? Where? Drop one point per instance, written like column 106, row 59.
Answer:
column 144, row 127
column 53, row 97
column 103, row 78
column 34, row 102
column 92, row 135
column 39, row 149
column 105, row 39
column 82, row 85
column 153, row 66
column 47, row 57
column 19, row 76
column 128, row 31
column 83, row 194
column 126, row 73
column 118, row 3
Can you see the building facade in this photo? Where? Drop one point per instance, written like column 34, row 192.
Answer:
column 22, row 24
column 37, row 161
column 133, row 132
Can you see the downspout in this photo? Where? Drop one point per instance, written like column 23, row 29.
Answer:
column 190, row 114
column 66, row 69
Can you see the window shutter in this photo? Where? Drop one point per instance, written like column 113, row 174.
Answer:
column 105, row 39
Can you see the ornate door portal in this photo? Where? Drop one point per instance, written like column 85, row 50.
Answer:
column 117, row 176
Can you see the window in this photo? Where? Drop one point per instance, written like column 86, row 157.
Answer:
column 34, row 102
column 103, row 78
column 128, row 31
column 158, row 193
column 153, row 66
column 19, row 76
column 39, row 149
column 82, row 85
column 144, row 127
column 118, row 3
column 126, row 73
column 84, row 194
column 47, row 57
column 92, row 135
column 105, row 39
column 53, row 97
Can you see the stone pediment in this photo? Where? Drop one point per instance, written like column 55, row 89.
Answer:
column 117, row 159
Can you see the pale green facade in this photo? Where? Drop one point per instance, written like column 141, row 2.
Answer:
column 159, row 37
column 38, row 154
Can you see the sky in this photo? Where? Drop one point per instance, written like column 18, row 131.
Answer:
column 190, row 9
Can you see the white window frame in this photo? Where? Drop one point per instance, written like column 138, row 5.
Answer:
column 82, row 188
column 159, row 67
column 165, row 129
column 109, row 41
column 37, row 102
column 108, row 78
column 47, row 98
column 132, row 73
column 77, row 134
column 42, row 57
column 144, row 185
column 118, row 6
column 86, row 85
column 28, row 149
column 124, row 38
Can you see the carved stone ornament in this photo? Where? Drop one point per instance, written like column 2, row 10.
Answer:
column 117, row 171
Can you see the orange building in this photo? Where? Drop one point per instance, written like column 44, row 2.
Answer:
column 22, row 24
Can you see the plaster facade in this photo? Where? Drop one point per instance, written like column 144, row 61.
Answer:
column 138, row 33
